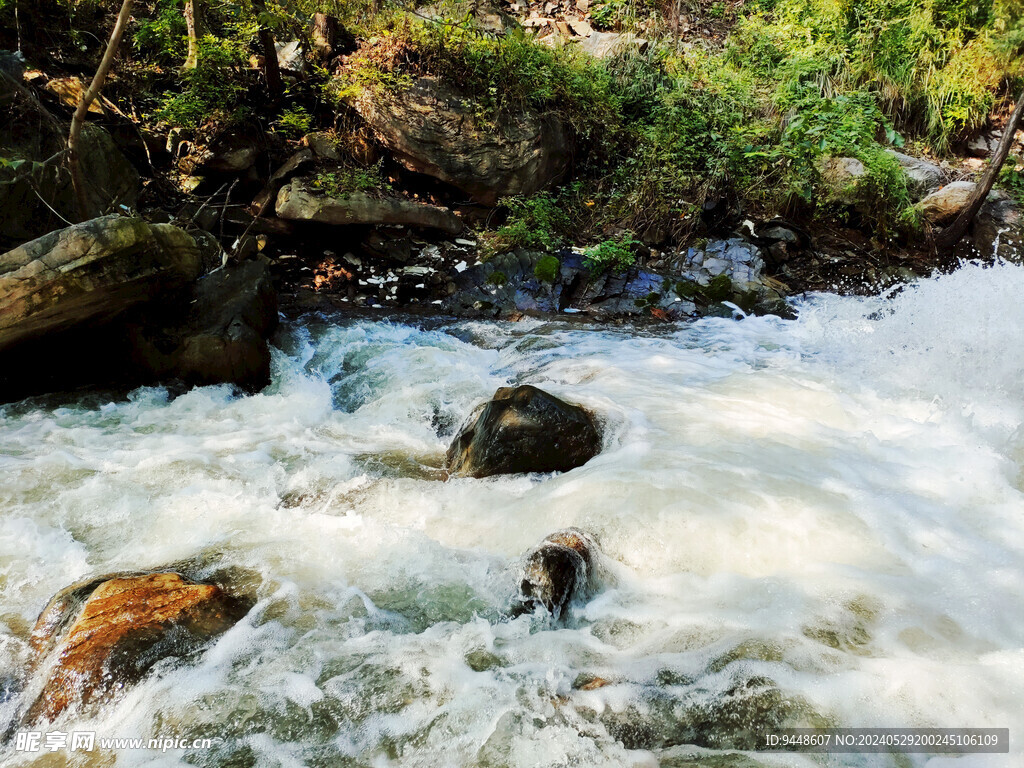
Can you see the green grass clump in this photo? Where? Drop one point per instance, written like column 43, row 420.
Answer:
column 294, row 123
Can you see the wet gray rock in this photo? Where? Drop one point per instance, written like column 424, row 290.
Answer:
column 557, row 572
column 523, row 429
column 998, row 229
column 696, row 282
column 922, row 176
column 737, row 259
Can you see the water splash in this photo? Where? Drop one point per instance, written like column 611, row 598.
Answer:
column 803, row 522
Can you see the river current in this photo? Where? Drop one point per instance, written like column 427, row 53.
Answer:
column 809, row 522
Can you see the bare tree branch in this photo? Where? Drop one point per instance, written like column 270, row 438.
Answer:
column 90, row 94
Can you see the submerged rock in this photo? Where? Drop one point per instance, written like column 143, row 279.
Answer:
column 557, row 572
column 430, row 127
column 90, row 273
column 523, row 429
column 998, row 229
column 95, row 637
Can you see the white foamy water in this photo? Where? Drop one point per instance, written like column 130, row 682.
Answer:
column 803, row 523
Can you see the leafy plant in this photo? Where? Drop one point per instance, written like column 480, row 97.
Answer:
column 213, row 90
column 537, row 222
column 342, row 182
column 616, row 255
column 1012, row 178
column 294, row 123
column 161, row 35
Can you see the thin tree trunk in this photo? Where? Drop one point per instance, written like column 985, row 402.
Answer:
column 271, row 69
column 90, row 94
column 954, row 233
column 325, row 35
column 196, row 29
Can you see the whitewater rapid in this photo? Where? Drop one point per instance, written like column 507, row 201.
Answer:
column 810, row 522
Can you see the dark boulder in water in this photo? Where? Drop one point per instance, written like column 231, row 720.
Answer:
column 524, row 429
column 95, row 637
column 558, row 571
column 222, row 335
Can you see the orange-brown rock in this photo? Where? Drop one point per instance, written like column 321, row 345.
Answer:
column 98, row 636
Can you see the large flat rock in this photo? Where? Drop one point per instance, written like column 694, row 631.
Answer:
column 90, row 273
column 297, row 203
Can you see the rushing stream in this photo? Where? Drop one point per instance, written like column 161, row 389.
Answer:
column 810, row 522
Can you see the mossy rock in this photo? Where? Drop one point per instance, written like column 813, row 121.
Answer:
column 546, row 269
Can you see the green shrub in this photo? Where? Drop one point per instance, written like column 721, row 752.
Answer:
column 934, row 66
column 213, row 90
column 343, row 181
column 537, row 222
column 616, row 255
column 161, row 36
column 294, row 123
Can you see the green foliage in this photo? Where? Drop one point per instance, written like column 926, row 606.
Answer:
column 546, row 269
column 294, row 123
column 342, row 182
column 680, row 142
column 1011, row 176
column 935, row 67
column 213, row 90
column 161, row 36
column 616, row 255
column 537, row 222
column 497, row 278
